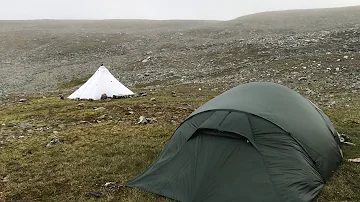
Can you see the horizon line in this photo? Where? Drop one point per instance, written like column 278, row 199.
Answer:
column 179, row 19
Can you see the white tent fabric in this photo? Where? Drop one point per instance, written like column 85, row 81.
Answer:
column 101, row 82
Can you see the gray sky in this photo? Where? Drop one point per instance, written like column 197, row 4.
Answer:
column 152, row 9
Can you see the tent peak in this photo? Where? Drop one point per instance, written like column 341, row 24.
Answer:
column 100, row 83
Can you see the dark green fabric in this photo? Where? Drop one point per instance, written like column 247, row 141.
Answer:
column 290, row 111
column 210, row 169
column 228, row 150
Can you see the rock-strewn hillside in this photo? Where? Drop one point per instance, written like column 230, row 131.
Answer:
column 318, row 50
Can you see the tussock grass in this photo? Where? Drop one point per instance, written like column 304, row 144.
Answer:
column 117, row 149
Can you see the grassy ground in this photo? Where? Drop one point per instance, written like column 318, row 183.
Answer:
column 116, row 149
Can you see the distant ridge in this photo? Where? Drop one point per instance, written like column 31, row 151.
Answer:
column 296, row 12
column 300, row 20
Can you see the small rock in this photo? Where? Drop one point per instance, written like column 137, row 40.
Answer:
column 55, row 132
column 53, row 141
column 143, row 94
column 142, row 120
column 102, row 116
column 99, row 108
column 357, row 160
column 94, row 194
column 25, row 125
column 21, row 136
column 83, row 122
column 337, row 69
column 346, row 57
column 151, row 120
column 22, row 100
column 309, row 92
column 81, row 105
column 11, row 137
column 146, row 59
column 302, row 79
column 103, row 97
column 61, row 97
column 331, row 104
column 129, row 113
column 111, row 186
column 153, row 99
column 338, row 60
column 5, row 179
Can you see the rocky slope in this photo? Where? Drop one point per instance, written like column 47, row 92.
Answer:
column 314, row 51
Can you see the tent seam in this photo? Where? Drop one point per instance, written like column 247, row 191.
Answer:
column 261, row 118
column 263, row 161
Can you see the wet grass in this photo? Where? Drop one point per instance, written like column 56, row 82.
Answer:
column 97, row 150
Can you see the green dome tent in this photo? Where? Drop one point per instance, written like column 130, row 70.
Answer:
column 258, row 142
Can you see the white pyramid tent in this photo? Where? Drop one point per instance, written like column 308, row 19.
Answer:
column 101, row 82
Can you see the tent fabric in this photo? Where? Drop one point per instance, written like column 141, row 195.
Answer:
column 101, row 82
column 256, row 142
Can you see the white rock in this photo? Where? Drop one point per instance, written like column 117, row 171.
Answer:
column 346, row 57
column 357, row 160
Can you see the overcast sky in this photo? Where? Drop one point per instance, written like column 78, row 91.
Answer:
column 152, row 9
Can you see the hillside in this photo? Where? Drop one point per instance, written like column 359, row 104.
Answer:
column 303, row 20
column 38, row 55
